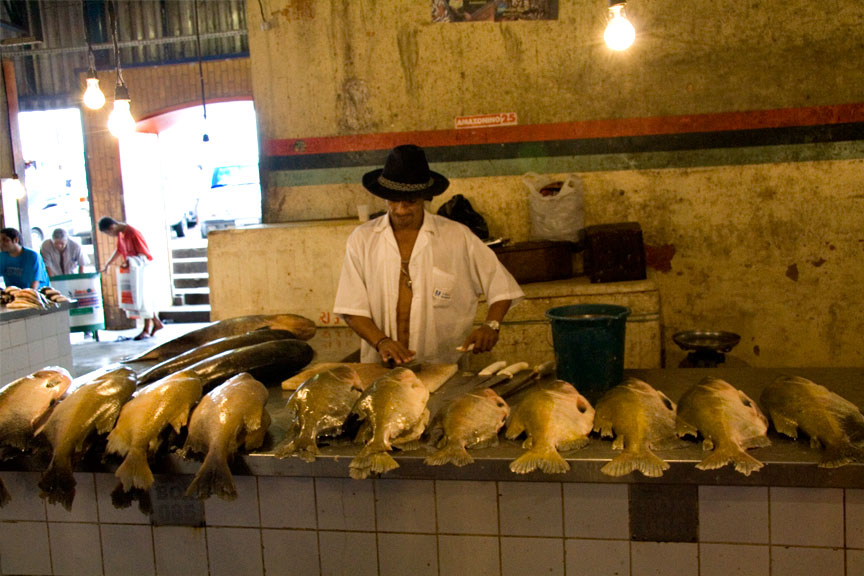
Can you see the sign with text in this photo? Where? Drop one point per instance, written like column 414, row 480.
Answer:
column 486, row 120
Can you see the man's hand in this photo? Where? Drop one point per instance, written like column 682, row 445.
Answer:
column 392, row 350
column 483, row 338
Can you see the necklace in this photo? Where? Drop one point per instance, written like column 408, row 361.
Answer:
column 403, row 268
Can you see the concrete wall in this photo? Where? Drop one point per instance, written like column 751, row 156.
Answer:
column 730, row 130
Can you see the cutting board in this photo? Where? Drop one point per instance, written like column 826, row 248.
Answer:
column 432, row 375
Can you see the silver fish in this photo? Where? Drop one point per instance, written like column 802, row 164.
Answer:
column 729, row 421
column 136, row 436
column 319, row 406
column 471, row 420
column 554, row 417
column 91, row 407
column 640, row 418
column 393, row 411
column 829, row 420
column 231, row 415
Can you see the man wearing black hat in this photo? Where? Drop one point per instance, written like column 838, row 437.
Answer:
column 411, row 279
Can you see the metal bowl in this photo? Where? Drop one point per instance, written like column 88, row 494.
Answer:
column 703, row 340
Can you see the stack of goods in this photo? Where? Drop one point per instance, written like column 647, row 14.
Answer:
column 15, row 298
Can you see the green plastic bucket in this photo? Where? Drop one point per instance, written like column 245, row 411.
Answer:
column 589, row 346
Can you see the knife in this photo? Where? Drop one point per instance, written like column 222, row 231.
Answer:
column 504, row 375
column 509, row 388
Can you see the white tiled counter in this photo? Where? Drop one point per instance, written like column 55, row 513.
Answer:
column 292, row 517
column 33, row 339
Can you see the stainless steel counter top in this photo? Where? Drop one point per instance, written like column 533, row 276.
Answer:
column 787, row 462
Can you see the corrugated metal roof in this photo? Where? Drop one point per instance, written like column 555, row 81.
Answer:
column 149, row 32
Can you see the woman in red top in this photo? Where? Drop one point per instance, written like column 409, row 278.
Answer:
column 130, row 243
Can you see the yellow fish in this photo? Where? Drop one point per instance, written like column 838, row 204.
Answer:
column 472, row 420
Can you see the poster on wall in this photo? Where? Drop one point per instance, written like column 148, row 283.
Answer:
column 493, row 10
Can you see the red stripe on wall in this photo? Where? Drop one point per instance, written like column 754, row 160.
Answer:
column 614, row 128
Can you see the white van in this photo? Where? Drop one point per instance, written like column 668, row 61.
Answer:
column 233, row 200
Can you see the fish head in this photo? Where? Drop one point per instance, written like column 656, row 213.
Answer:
column 55, row 378
column 753, row 408
column 500, row 405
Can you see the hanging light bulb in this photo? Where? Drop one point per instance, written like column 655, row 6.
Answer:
column 619, row 34
column 94, row 99
column 120, row 121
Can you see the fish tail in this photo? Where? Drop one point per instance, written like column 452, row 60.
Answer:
column 58, row 483
column 452, row 453
column 371, row 459
column 648, row 463
column 5, row 497
column 835, row 457
column 304, row 446
column 214, row 477
column 546, row 458
column 135, row 472
column 744, row 463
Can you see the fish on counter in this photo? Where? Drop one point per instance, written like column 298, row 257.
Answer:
column 24, row 405
column 728, row 420
column 320, row 406
column 231, row 415
column 90, row 408
column 639, row 418
column 136, row 436
column 554, row 416
column 471, row 420
column 831, row 421
column 186, row 359
column 26, row 402
column 393, row 414
column 302, row 327
column 276, row 357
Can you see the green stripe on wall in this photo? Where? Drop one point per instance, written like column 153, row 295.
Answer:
column 849, row 150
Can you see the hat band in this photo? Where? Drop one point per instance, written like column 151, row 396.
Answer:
column 403, row 187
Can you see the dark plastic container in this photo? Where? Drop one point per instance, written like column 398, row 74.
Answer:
column 589, row 346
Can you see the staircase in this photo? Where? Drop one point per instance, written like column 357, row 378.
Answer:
column 190, row 283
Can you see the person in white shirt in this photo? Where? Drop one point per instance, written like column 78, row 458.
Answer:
column 62, row 255
column 411, row 279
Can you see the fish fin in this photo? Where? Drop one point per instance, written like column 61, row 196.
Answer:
column 514, row 429
column 604, row 428
column 304, row 447
column 756, row 442
column 815, row 443
column 116, row 444
column 573, row 444
column 364, row 434
column 214, row 477
column 546, row 459
column 452, row 453
column 485, row 442
column 58, row 484
column 407, row 445
column 618, row 442
column 852, row 426
column 255, row 436
column 367, row 462
column 123, row 499
column 646, row 462
column 104, row 423
column 834, row 457
column 784, row 425
column 5, row 497
column 744, row 463
column 134, row 471
column 670, row 443
column 707, row 444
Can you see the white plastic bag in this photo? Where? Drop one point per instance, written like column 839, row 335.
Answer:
column 558, row 216
column 130, row 285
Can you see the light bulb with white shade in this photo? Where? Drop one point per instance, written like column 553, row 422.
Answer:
column 619, row 34
column 94, row 99
column 120, row 121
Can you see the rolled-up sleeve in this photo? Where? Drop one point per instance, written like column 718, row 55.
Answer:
column 352, row 296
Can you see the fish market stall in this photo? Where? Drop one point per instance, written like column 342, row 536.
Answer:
column 32, row 338
column 790, row 508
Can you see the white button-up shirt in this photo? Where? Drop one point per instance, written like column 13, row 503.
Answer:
column 450, row 268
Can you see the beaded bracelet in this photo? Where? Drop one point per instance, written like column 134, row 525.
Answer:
column 377, row 344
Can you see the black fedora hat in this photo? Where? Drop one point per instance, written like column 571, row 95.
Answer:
column 405, row 176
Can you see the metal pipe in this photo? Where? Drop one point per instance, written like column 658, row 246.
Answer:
column 20, row 52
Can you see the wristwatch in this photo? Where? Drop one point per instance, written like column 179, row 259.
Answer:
column 493, row 324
